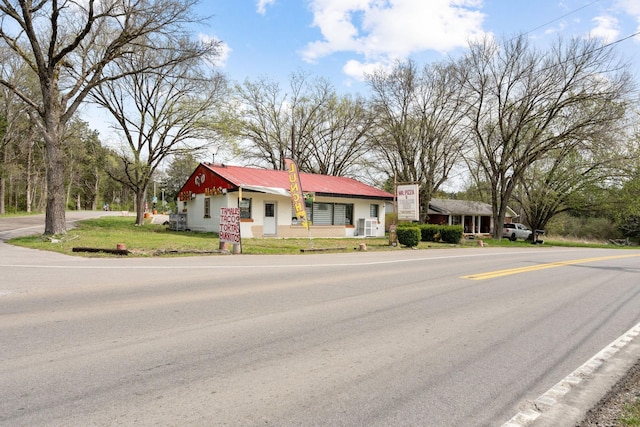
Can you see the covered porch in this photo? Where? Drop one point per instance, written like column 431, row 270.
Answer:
column 476, row 218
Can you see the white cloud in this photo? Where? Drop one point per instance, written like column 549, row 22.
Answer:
column 559, row 28
column 262, row 6
column 606, row 28
column 632, row 7
column 223, row 52
column 382, row 29
column 358, row 70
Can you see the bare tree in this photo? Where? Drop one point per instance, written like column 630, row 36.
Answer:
column 321, row 130
column 416, row 133
column 337, row 146
column 68, row 45
column 522, row 103
column 161, row 112
column 266, row 126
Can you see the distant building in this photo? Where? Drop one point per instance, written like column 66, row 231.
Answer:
column 475, row 217
column 336, row 206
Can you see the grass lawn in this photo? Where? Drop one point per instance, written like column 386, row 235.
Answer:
column 156, row 240
column 631, row 417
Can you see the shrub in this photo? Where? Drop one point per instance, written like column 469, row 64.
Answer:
column 630, row 227
column 582, row 227
column 428, row 232
column 451, row 233
column 407, row 224
column 408, row 236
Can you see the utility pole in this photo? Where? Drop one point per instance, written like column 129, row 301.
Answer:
column 293, row 144
column 393, row 233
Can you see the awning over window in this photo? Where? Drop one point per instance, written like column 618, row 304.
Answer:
column 268, row 190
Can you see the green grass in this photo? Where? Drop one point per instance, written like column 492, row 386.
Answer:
column 156, row 240
column 107, row 232
column 556, row 241
column 631, row 417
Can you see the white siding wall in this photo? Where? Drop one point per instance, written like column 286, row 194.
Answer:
column 362, row 210
column 195, row 213
column 196, row 220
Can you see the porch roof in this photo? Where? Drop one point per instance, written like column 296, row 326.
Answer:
column 459, row 207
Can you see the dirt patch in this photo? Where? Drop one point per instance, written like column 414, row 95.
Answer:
column 608, row 411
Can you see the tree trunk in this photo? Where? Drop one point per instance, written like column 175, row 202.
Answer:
column 140, row 206
column 503, row 193
column 96, row 189
column 69, row 172
column 55, row 219
column 3, row 189
column 52, row 126
column 29, row 175
column 3, row 180
column 423, row 205
column 40, row 196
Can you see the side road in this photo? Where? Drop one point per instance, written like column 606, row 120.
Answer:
column 18, row 226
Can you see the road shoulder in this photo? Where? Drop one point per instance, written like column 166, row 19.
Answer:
column 568, row 402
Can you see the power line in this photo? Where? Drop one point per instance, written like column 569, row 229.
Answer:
column 596, row 49
column 562, row 17
column 630, row 36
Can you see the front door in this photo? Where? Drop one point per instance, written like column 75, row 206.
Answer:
column 270, row 227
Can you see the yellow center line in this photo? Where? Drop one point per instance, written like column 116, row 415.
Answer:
column 518, row 270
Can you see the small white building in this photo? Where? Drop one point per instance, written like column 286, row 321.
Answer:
column 336, row 206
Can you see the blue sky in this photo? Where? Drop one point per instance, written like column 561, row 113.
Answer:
column 343, row 39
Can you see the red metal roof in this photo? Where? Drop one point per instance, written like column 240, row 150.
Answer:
column 311, row 183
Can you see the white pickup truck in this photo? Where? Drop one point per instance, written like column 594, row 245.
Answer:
column 515, row 231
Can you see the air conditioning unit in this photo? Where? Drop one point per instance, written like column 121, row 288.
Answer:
column 367, row 227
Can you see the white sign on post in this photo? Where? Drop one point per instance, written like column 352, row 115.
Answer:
column 230, row 225
column 408, row 203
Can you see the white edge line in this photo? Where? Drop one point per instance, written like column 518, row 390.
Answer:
column 550, row 397
column 294, row 265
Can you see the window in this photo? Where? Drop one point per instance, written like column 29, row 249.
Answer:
column 207, row 207
column 348, row 214
column 328, row 213
column 245, row 208
column 269, row 210
column 322, row 213
column 373, row 211
column 339, row 214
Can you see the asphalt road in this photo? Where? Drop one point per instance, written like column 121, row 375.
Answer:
column 11, row 227
column 410, row 338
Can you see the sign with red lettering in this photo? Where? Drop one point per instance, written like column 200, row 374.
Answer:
column 408, row 202
column 230, row 225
